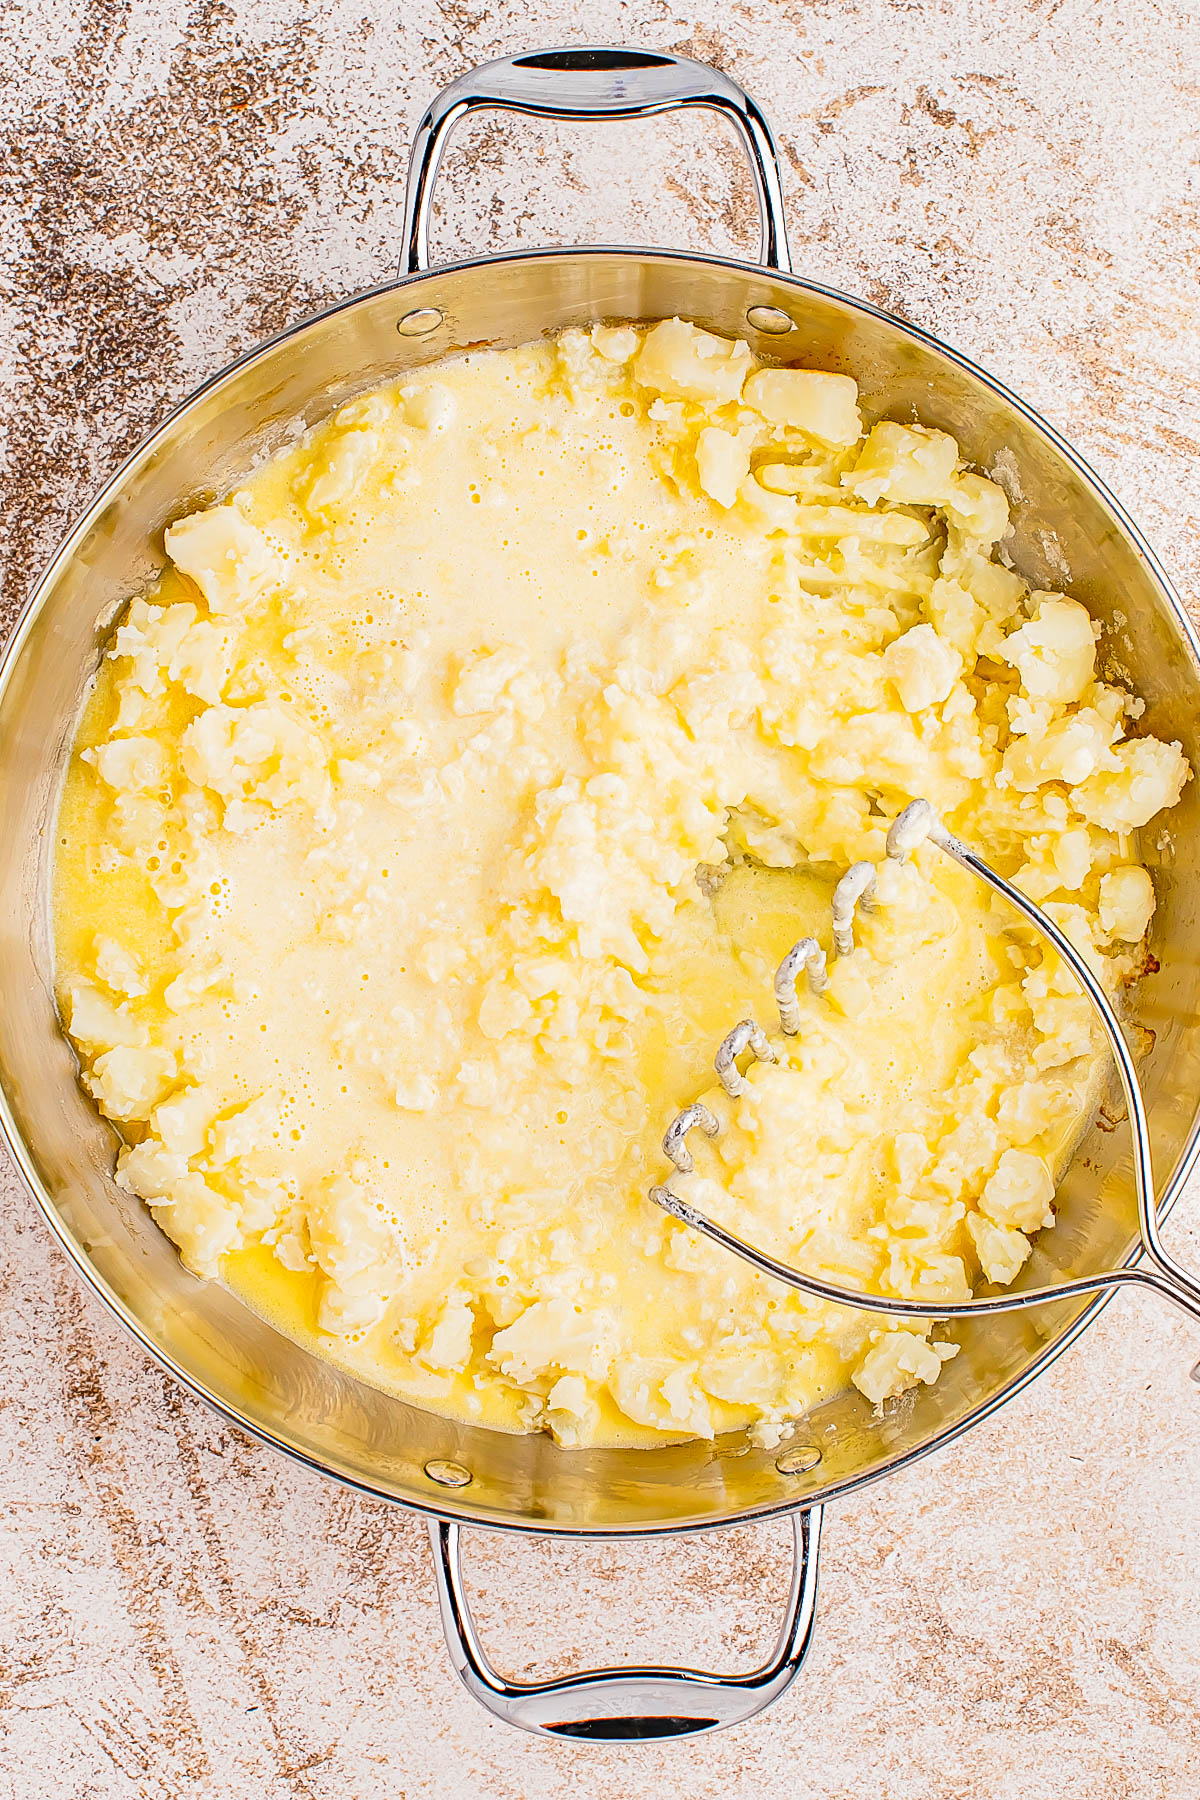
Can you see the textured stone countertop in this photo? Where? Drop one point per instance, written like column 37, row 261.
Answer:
column 185, row 1613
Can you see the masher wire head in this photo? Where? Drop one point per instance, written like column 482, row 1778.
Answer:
column 917, row 824
column 747, row 1036
column 807, row 955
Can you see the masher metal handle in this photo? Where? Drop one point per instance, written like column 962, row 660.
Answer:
column 592, row 82
column 1163, row 1274
column 639, row 1702
column 1158, row 1271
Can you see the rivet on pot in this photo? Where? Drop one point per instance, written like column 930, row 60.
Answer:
column 420, row 322
column 448, row 1474
column 771, row 319
column 799, row 1460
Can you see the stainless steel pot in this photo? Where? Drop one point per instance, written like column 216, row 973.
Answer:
column 1065, row 520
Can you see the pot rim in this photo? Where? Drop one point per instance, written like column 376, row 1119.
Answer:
column 67, row 546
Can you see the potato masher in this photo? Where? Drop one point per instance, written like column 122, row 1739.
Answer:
column 917, row 823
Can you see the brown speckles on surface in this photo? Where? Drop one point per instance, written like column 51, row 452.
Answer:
column 132, row 196
column 185, row 1615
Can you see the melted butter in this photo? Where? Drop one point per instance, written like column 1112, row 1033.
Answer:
column 288, row 1300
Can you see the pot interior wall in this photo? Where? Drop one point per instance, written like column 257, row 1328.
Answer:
column 1065, row 535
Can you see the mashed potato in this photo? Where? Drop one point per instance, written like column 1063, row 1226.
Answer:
column 461, row 786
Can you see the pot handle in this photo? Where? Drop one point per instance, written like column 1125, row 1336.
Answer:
column 596, row 82
column 639, row 1702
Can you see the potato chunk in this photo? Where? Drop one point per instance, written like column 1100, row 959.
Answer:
column 823, row 406
column 226, row 556
column 905, row 463
column 684, row 363
column 1055, row 651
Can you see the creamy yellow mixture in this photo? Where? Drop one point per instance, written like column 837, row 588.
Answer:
column 462, row 785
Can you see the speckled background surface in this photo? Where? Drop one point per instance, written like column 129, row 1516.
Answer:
column 183, row 1614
